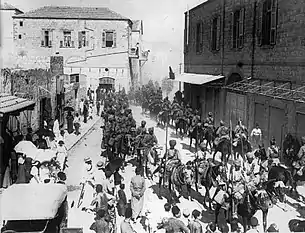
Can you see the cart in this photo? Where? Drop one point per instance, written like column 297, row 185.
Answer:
column 34, row 208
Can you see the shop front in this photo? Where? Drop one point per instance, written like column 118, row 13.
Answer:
column 203, row 92
column 9, row 106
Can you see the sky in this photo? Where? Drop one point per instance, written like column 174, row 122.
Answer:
column 163, row 22
column 163, row 19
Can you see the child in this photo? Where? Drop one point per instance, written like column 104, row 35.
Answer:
column 186, row 217
column 195, row 225
column 122, row 203
column 221, row 198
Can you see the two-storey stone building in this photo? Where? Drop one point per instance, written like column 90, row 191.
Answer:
column 95, row 42
column 258, row 48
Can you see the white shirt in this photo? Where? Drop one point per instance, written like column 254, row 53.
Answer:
column 81, row 106
column 56, row 126
column 256, row 132
column 248, row 166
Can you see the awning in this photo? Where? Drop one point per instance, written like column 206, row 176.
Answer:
column 197, row 79
column 273, row 89
column 10, row 104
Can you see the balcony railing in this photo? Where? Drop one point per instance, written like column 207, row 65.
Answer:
column 134, row 53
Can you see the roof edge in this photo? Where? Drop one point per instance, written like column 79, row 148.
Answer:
column 200, row 5
column 29, row 17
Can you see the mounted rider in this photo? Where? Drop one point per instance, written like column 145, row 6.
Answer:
column 300, row 163
column 240, row 132
column 273, row 153
column 172, row 158
column 201, row 162
column 195, row 121
column 141, row 131
column 209, row 122
column 222, row 133
column 252, row 170
column 148, row 142
column 237, row 178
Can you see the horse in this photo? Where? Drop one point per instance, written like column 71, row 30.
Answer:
column 181, row 175
column 243, row 146
column 181, row 124
column 209, row 135
column 251, row 203
column 161, row 118
column 145, row 107
column 178, row 176
column 209, row 180
column 224, row 147
column 196, row 134
column 278, row 174
column 291, row 147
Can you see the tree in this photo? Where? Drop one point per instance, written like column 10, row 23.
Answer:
column 167, row 85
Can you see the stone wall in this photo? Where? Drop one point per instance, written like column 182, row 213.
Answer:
column 283, row 61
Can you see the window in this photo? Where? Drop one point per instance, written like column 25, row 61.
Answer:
column 46, row 38
column 21, row 24
column 215, row 33
column 269, row 22
column 19, row 36
column 238, row 28
column 82, row 39
column 74, row 78
column 199, row 37
column 67, row 43
column 109, row 39
column 186, row 32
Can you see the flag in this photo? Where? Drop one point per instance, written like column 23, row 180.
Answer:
column 171, row 74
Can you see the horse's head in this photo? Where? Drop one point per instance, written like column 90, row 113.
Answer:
column 279, row 190
column 263, row 200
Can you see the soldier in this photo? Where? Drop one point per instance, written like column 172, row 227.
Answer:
column 141, row 131
column 210, row 120
column 237, row 178
column 273, row 152
column 149, row 141
column 252, row 170
column 240, row 130
column 201, row 161
column 223, row 131
column 299, row 165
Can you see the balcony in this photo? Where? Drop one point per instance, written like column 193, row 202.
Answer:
column 144, row 55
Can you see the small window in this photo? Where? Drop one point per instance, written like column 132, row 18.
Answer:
column 21, row 24
column 214, row 34
column 68, row 43
column 199, row 37
column 238, row 28
column 46, row 38
column 19, row 36
column 109, row 39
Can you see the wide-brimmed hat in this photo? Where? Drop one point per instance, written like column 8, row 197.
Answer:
column 61, row 142
column 87, row 160
column 254, row 222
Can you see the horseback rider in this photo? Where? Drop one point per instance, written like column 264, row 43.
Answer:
column 141, row 131
column 201, row 161
column 300, row 163
column 222, row 132
column 195, row 120
column 209, row 122
column 240, row 132
column 273, row 153
column 149, row 141
column 252, row 170
column 237, row 178
column 172, row 158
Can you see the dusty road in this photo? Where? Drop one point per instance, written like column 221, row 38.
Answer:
column 90, row 145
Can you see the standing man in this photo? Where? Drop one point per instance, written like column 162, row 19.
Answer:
column 256, row 136
column 137, row 188
column 81, row 107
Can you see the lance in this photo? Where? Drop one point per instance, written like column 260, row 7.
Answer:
column 166, row 138
column 196, row 158
column 231, row 139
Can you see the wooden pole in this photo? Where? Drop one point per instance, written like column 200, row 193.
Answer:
column 166, row 138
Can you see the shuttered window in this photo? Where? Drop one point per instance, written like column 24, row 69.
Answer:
column 199, row 40
column 238, row 34
column 46, row 38
column 109, row 39
column 214, row 34
column 268, row 22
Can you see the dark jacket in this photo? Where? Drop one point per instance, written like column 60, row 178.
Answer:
column 100, row 226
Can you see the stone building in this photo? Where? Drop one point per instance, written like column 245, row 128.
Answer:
column 258, row 48
column 95, row 42
column 6, row 37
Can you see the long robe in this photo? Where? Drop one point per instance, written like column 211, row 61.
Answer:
column 88, row 179
column 137, row 188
